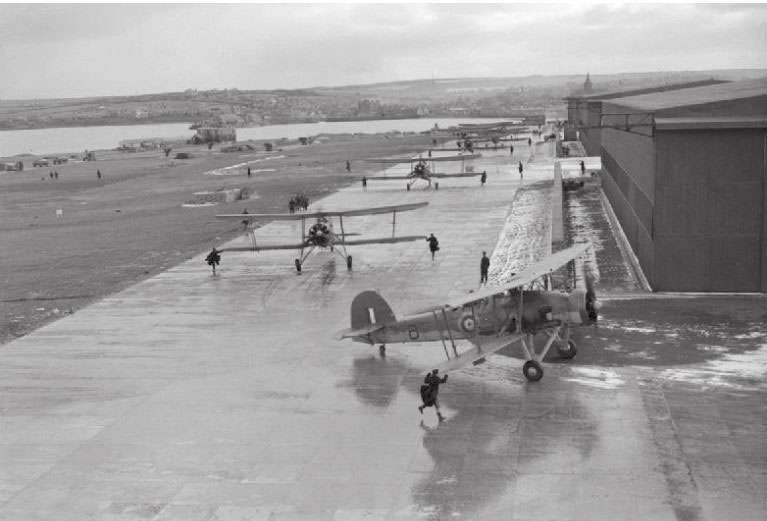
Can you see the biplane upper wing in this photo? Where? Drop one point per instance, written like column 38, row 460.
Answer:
column 479, row 351
column 385, row 240
column 309, row 215
column 526, row 276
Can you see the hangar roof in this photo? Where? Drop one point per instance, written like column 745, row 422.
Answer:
column 597, row 96
column 695, row 96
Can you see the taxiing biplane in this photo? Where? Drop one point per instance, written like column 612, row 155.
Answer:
column 321, row 233
column 490, row 319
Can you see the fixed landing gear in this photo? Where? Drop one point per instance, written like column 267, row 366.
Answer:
column 382, row 350
column 298, row 265
column 532, row 370
column 567, row 350
column 349, row 262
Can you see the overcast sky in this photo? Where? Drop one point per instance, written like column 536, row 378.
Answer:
column 65, row 50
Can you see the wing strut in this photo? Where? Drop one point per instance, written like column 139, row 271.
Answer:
column 441, row 336
column 449, row 333
column 393, row 222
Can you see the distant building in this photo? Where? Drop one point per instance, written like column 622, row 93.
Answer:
column 684, row 170
column 215, row 134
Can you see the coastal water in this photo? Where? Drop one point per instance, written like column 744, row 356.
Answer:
column 77, row 139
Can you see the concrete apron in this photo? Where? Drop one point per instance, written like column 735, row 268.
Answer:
column 193, row 397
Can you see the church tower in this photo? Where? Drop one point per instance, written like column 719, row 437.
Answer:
column 587, row 87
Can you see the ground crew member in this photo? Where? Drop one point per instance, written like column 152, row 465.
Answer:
column 583, row 168
column 98, row 174
column 483, row 178
column 55, row 174
column 364, row 184
column 433, row 245
column 213, row 259
column 529, row 142
column 511, row 150
column 430, row 392
column 292, row 206
column 348, row 166
column 248, row 171
column 429, row 152
column 521, row 168
column 484, row 266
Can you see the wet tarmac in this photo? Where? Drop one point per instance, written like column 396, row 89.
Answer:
column 192, row 397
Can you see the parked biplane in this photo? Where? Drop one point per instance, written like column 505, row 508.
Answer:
column 420, row 170
column 490, row 319
column 321, row 233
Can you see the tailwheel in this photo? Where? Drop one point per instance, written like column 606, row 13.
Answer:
column 298, row 265
column 568, row 350
column 382, row 350
column 348, row 262
column 532, row 370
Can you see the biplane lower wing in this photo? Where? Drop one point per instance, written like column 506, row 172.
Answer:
column 386, row 240
column 479, row 351
column 266, row 247
column 465, row 174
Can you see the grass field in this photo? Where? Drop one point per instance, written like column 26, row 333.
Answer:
column 132, row 224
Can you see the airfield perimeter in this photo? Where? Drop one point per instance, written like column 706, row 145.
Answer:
column 191, row 397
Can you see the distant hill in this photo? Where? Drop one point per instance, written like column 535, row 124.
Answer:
column 502, row 96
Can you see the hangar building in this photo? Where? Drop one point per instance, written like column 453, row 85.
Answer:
column 686, row 173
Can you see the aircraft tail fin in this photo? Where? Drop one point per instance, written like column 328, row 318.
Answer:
column 369, row 308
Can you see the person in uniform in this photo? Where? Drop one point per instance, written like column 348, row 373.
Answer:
column 433, row 245
column 430, row 392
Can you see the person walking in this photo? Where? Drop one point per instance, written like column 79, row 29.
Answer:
column 213, row 259
column 364, row 184
column 249, row 174
column 521, row 169
column 433, row 245
column 348, row 166
column 583, row 168
column 529, row 142
column 511, row 150
column 483, row 178
column 98, row 175
column 430, row 392
column 484, row 266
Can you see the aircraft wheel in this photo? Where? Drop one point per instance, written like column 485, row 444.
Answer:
column 382, row 350
column 567, row 351
column 532, row 370
column 349, row 262
column 298, row 265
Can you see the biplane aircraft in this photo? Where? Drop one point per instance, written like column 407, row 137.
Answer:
column 420, row 170
column 490, row 319
column 321, row 233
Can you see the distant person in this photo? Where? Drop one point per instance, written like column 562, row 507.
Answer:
column 511, row 150
column 483, row 178
column 484, row 266
column 292, row 206
column 521, row 169
column 583, row 168
column 529, row 142
column 98, row 175
column 51, row 174
column 245, row 222
column 433, row 245
column 364, row 184
column 429, row 152
column 213, row 259
column 249, row 174
column 430, row 392
column 55, row 174
column 348, row 166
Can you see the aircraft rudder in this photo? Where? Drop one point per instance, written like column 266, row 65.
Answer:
column 369, row 307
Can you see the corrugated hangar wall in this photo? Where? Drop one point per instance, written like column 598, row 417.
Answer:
column 693, row 205
column 709, row 212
